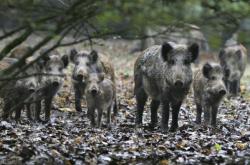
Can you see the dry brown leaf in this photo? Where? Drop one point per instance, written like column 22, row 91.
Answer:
column 241, row 146
column 164, row 162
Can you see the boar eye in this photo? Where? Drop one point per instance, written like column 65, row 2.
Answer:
column 49, row 69
column 61, row 68
column 77, row 63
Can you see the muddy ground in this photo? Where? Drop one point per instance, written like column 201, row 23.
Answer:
column 69, row 139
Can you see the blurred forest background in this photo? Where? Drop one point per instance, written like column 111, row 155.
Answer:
column 211, row 23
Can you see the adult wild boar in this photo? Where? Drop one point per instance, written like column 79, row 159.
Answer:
column 233, row 60
column 86, row 63
column 164, row 73
column 52, row 64
column 209, row 89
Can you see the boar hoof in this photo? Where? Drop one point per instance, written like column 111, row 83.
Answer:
column 138, row 125
column 164, row 129
column 78, row 109
column 173, row 128
column 152, row 126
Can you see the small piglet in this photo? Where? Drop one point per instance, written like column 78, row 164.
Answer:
column 209, row 89
column 100, row 95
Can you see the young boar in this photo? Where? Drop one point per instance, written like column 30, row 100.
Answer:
column 86, row 63
column 209, row 90
column 233, row 60
column 100, row 95
column 53, row 65
column 16, row 94
column 164, row 73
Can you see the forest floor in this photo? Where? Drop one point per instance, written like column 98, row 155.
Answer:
column 69, row 139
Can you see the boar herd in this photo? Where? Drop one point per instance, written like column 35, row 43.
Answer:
column 162, row 73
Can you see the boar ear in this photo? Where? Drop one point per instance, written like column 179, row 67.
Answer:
column 65, row 60
column 94, row 56
column 206, row 69
column 221, row 54
column 238, row 54
column 194, row 50
column 165, row 49
column 73, row 53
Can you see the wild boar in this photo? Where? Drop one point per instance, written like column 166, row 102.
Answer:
column 100, row 95
column 233, row 60
column 164, row 73
column 53, row 64
column 209, row 89
column 17, row 92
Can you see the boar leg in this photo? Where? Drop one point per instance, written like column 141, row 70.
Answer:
column 175, row 113
column 165, row 116
column 115, row 107
column 78, row 97
column 91, row 116
column 154, row 107
column 99, row 117
column 38, row 111
column 6, row 109
column 207, row 114
column 109, row 115
column 18, row 110
column 238, row 86
column 28, row 111
column 214, row 115
column 234, row 87
column 141, row 98
column 48, row 104
column 198, row 113
column 227, row 84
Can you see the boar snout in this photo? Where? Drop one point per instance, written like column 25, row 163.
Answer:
column 94, row 91
column 55, row 83
column 178, row 84
column 31, row 90
column 79, row 77
column 222, row 92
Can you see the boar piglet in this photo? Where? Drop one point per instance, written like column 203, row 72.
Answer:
column 164, row 73
column 100, row 95
column 53, row 65
column 209, row 89
column 17, row 93
column 86, row 63
column 233, row 60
